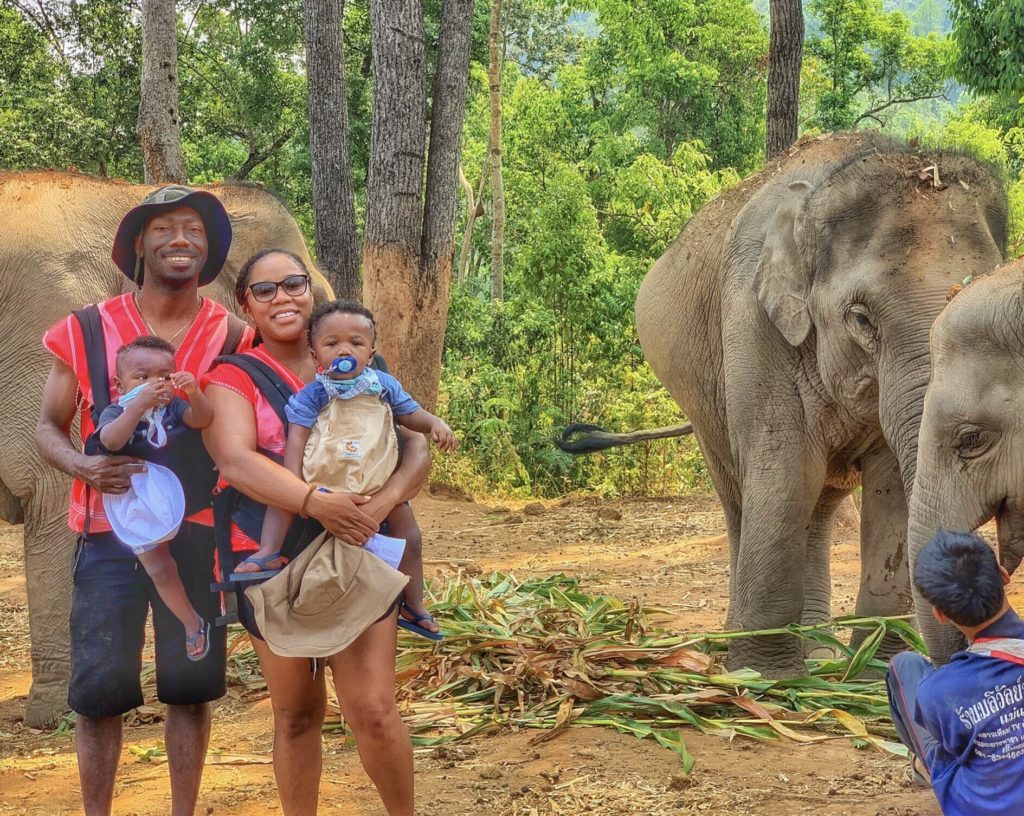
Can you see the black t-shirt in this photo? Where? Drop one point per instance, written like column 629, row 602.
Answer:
column 173, row 417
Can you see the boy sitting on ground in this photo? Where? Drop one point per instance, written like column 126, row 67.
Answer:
column 964, row 722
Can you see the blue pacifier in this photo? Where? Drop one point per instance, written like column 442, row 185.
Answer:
column 343, row 365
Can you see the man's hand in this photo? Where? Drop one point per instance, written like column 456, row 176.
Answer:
column 342, row 517
column 443, row 436
column 186, row 382
column 109, row 474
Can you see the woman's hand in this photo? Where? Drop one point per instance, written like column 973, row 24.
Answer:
column 342, row 516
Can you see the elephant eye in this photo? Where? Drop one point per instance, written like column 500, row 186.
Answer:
column 858, row 323
column 970, row 443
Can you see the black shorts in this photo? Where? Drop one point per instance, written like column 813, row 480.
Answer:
column 112, row 595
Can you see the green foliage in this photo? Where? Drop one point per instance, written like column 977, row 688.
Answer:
column 621, row 119
column 929, row 17
column 241, row 94
column 69, row 88
column 1016, row 242
column 591, row 202
column 681, row 70
column 989, row 56
column 871, row 63
column 655, row 197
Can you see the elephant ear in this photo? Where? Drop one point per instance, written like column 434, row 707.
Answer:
column 782, row 279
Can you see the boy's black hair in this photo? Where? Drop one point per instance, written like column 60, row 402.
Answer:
column 340, row 306
column 145, row 341
column 958, row 574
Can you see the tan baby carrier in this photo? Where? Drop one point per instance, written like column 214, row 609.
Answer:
column 352, row 448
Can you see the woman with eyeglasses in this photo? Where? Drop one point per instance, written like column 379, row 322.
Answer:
column 246, row 440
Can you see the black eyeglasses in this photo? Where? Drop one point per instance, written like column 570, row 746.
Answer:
column 293, row 285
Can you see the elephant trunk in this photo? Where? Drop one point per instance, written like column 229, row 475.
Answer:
column 1010, row 523
column 900, row 409
column 933, row 505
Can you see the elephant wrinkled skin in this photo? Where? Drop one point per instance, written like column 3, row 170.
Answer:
column 970, row 460
column 57, row 230
column 790, row 322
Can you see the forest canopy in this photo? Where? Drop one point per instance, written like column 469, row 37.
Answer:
column 620, row 120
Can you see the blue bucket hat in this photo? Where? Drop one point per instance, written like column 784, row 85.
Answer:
column 215, row 220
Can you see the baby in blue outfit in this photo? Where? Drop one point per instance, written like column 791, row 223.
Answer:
column 341, row 437
column 139, row 424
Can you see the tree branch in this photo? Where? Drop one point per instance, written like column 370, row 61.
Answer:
column 257, row 157
column 192, row 22
column 43, row 24
column 872, row 113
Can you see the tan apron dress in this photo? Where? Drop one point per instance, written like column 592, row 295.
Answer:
column 330, row 592
column 352, row 448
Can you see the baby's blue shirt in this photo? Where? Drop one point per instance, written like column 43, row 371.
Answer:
column 304, row 407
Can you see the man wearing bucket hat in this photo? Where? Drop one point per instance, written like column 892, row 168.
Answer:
column 175, row 241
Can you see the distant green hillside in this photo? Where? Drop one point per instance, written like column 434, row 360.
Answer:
column 926, row 15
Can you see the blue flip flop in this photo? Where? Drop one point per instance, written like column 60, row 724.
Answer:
column 191, row 640
column 260, row 562
column 413, row 625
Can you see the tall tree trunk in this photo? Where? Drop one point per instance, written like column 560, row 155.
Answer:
column 158, row 125
column 337, row 244
column 394, row 187
column 467, row 237
column 473, row 212
column 448, row 109
column 407, row 258
column 494, row 144
column 785, row 54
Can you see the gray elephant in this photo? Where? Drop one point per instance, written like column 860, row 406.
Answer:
column 970, row 459
column 790, row 322
column 57, row 231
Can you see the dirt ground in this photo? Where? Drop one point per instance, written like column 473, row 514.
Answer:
column 672, row 553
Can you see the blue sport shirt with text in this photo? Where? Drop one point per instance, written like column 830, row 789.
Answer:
column 974, row 707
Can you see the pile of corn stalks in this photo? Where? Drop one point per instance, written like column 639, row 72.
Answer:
column 542, row 654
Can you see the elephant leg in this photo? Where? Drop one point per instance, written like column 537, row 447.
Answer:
column 10, row 506
column 818, row 566
column 722, row 476
column 779, row 503
column 49, row 551
column 884, row 574
column 818, row 569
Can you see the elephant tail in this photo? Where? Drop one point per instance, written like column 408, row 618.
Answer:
column 590, row 438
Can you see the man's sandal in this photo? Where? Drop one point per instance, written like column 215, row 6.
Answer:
column 191, row 641
column 919, row 772
column 261, row 562
column 413, row 624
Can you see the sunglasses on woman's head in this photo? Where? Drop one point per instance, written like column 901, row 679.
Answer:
column 293, row 285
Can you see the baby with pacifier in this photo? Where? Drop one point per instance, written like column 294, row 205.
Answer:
column 341, row 438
